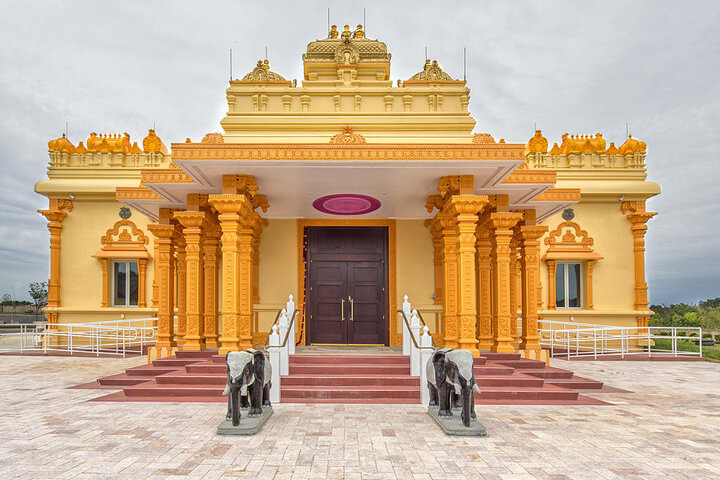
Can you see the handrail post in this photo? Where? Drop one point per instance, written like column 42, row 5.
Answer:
column 274, row 348
column 283, row 332
column 414, row 351
column 425, row 353
column 700, row 340
column 595, row 342
column 649, row 344
column 290, row 309
column 407, row 310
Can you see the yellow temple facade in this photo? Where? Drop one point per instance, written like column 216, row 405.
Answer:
column 348, row 191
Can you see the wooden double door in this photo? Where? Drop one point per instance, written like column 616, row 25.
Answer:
column 346, row 288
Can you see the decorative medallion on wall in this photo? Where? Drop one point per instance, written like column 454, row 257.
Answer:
column 568, row 214
column 346, row 204
column 125, row 213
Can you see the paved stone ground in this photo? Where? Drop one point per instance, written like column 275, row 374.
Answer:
column 668, row 428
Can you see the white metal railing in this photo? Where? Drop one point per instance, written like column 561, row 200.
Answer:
column 565, row 339
column 419, row 346
column 113, row 337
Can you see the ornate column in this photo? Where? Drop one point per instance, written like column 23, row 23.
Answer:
column 437, row 240
column 635, row 212
column 236, row 239
column 483, row 248
column 55, row 214
column 530, row 278
column 210, row 257
column 552, row 298
column 164, row 235
column 501, row 227
column 154, row 301
column 181, row 279
column 194, row 328
column 464, row 209
column 142, row 273
column 514, row 289
column 450, row 282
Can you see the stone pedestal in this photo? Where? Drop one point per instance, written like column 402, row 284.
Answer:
column 453, row 425
column 248, row 425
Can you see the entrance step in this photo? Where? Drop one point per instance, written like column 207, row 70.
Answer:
column 351, row 380
column 520, row 363
column 122, row 380
column 350, row 359
column 348, row 368
column 515, row 380
column 196, row 354
column 548, row 372
column 291, row 393
column 575, row 383
column 149, row 370
column 494, row 357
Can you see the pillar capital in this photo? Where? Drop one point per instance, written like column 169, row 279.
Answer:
column 532, row 233
column 163, row 232
column 191, row 219
column 504, row 220
column 230, row 203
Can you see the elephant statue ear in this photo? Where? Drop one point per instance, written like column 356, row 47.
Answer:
column 244, row 387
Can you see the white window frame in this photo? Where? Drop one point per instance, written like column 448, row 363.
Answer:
column 581, row 278
column 127, row 282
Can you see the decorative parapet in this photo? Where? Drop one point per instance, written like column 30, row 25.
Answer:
column 347, row 137
column 165, row 175
column 585, row 152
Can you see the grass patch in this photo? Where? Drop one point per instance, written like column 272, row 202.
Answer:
column 709, row 353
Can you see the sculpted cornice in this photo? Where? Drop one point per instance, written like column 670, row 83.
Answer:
column 136, row 193
column 361, row 152
column 531, row 176
column 553, row 194
column 166, row 175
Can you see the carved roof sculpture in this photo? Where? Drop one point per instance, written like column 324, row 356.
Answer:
column 483, row 138
column 61, row 144
column 632, row 145
column 538, row 143
column 431, row 73
column 214, row 137
column 359, row 49
column 262, row 73
column 152, row 143
column 582, row 144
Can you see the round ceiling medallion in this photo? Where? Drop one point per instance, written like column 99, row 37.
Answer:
column 346, row 204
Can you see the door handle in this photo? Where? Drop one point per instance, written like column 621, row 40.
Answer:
column 342, row 310
column 352, row 308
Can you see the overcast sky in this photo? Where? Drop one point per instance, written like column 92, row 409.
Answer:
column 567, row 66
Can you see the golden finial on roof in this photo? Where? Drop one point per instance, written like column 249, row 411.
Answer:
column 431, row 73
column 582, row 143
column 80, row 148
column 135, row 148
column 152, row 143
column 266, row 64
column 359, row 32
column 555, row 150
column 262, row 73
column 632, row 145
column 346, row 34
column 61, row 144
column 538, row 143
column 612, row 149
column 333, row 32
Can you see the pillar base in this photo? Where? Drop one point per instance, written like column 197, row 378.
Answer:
column 194, row 343
column 503, row 345
column 155, row 353
column 211, row 341
column 541, row 355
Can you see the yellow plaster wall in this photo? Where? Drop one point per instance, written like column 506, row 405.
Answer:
column 415, row 270
column 613, row 276
column 81, row 274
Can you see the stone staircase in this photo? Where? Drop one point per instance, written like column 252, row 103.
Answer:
column 504, row 379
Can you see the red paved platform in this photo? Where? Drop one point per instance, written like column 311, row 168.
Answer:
column 504, row 379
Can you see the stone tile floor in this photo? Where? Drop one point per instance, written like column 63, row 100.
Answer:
column 668, row 428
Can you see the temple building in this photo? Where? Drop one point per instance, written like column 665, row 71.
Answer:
column 349, row 191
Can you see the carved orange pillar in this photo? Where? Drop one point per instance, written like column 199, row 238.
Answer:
column 164, row 235
column 142, row 274
column 194, row 274
column 483, row 248
column 246, row 287
column 501, row 227
column 464, row 209
column 154, row 301
column 450, row 274
column 589, row 281
column 233, row 209
column 210, row 252
column 437, row 240
column 514, row 290
column 635, row 212
column 181, row 279
column 552, row 298
column 530, row 278
column 55, row 214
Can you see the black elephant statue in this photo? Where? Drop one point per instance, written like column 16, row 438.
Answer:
column 248, row 378
column 451, row 382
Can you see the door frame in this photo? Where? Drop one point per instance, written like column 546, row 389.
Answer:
column 394, row 338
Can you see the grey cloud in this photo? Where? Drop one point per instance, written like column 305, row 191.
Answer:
column 568, row 66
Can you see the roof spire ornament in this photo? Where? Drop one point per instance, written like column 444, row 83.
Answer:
column 333, row 32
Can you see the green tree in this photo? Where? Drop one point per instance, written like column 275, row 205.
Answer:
column 710, row 303
column 6, row 300
column 38, row 292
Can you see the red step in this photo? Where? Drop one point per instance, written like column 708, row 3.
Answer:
column 297, row 392
column 546, row 392
column 339, row 368
column 122, row 380
column 500, row 356
column 350, row 359
column 196, row 354
column 492, row 369
column 548, row 372
column 575, row 383
column 153, row 388
column 149, row 371
column 516, row 380
column 350, row 380
column 206, row 368
column 520, row 363
column 190, row 379
column 175, row 362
